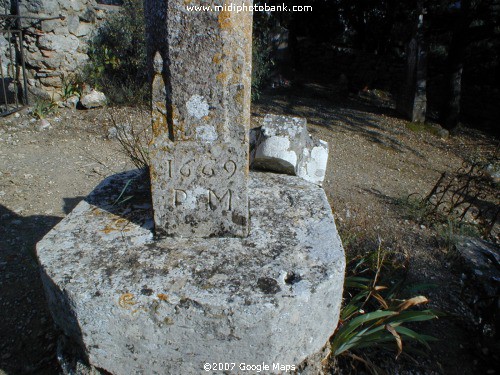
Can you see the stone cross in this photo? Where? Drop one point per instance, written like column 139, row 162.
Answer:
column 201, row 63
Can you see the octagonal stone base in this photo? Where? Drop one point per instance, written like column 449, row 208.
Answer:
column 139, row 305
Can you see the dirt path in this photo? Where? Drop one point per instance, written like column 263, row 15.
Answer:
column 43, row 175
column 374, row 160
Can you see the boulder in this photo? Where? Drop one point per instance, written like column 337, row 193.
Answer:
column 136, row 304
column 73, row 23
column 84, row 29
column 57, row 26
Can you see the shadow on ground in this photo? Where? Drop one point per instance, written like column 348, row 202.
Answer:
column 28, row 335
column 325, row 107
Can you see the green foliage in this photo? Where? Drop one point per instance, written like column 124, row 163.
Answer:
column 117, row 56
column 43, row 108
column 261, row 53
column 448, row 227
column 416, row 208
column 449, row 233
column 422, row 127
column 71, row 86
column 121, row 199
column 375, row 315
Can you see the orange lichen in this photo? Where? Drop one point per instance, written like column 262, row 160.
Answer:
column 108, row 229
column 225, row 19
column 153, row 173
column 237, row 68
column 118, row 224
column 239, row 96
column 162, row 297
column 159, row 122
column 208, row 117
column 126, row 300
column 96, row 211
column 221, row 77
column 217, row 58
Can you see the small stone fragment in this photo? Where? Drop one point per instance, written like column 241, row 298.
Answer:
column 43, row 124
column 94, row 99
column 71, row 102
column 282, row 144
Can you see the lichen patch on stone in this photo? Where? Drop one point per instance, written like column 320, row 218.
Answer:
column 197, row 107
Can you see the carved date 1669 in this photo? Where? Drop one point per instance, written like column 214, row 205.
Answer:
column 206, row 169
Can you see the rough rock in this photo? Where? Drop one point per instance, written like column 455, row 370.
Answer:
column 139, row 305
column 54, row 81
column 282, row 144
column 93, row 99
column 199, row 155
column 493, row 171
column 84, row 29
column 43, row 124
column 75, row 60
column 56, row 26
column 60, row 43
column 39, row 93
column 73, row 23
column 481, row 263
column 74, row 5
column 71, row 102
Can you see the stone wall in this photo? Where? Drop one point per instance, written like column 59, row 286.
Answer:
column 56, row 40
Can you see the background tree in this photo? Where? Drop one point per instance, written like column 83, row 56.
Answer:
column 463, row 27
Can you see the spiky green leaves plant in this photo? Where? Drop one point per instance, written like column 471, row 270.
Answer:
column 374, row 317
column 361, row 330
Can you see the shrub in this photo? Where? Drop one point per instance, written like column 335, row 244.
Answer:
column 118, row 66
column 261, row 53
column 133, row 136
column 43, row 108
column 71, row 86
column 117, row 56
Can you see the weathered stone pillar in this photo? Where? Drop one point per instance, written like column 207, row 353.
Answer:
column 132, row 303
column 201, row 117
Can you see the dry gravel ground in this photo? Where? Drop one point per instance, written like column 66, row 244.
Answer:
column 374, row 160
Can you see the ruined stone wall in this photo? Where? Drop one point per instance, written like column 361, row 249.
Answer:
column 56, row 40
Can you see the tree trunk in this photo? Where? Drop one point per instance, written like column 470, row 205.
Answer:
column 450, row 114
column 455, row 66
column 412, row 101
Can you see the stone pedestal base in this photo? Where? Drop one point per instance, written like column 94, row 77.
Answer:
column 139, row 305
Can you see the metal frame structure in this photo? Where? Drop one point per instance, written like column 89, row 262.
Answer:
column 13, row 74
